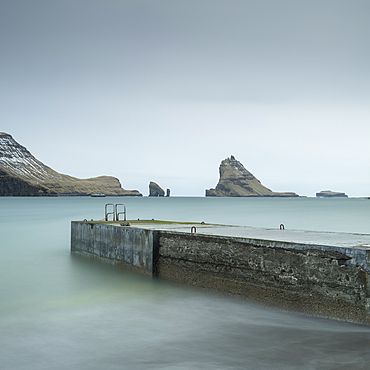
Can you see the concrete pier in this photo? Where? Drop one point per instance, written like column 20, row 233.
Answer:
column 132, row 247
column 317, row 273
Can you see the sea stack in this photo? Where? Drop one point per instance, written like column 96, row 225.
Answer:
column 21, row 174
column 236, row 181
column 155, row 190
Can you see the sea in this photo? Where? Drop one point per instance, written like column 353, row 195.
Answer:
column 63, row 311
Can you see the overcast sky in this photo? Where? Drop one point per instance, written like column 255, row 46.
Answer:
column 164, row 90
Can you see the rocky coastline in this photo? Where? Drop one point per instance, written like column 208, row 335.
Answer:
column 21, row 174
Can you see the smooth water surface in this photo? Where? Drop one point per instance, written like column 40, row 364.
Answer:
column 60, row 311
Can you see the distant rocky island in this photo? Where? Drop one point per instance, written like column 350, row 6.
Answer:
column 156, row 191
column 236, row 181
column 21, row 174
column 331, row 194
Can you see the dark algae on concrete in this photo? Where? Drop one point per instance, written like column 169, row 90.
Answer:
column 319, row 280
column 312, row 281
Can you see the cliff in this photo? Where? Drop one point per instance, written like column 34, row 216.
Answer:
column 21, row 174
column 236, row 181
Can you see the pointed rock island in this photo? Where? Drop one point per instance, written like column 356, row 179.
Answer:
column 236, row 181
column 21, row 174
column 155, row 190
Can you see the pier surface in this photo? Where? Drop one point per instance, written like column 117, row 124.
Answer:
column 355, row 246
column 314, row 238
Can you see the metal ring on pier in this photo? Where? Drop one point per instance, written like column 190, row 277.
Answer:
column 193, row 228
column 282, row 227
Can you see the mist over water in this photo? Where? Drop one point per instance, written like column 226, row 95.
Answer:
column 60, row 311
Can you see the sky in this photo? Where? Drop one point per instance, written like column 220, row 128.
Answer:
column 163, row 90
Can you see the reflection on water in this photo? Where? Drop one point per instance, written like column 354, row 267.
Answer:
column 59, row 311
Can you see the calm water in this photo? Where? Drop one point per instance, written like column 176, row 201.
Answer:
column 59, row 311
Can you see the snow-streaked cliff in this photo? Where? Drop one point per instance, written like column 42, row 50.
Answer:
column 22, row 174
column 18, row 161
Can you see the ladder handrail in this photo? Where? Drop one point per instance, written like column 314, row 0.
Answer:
column 115, row 212
column 120, row 213
column 109, row 213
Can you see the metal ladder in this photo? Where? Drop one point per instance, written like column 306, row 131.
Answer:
column 120, row 213
column 114, row 211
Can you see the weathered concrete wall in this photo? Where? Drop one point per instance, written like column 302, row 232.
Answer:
column 322, row 281
column 310, row 281
column 119, row 245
